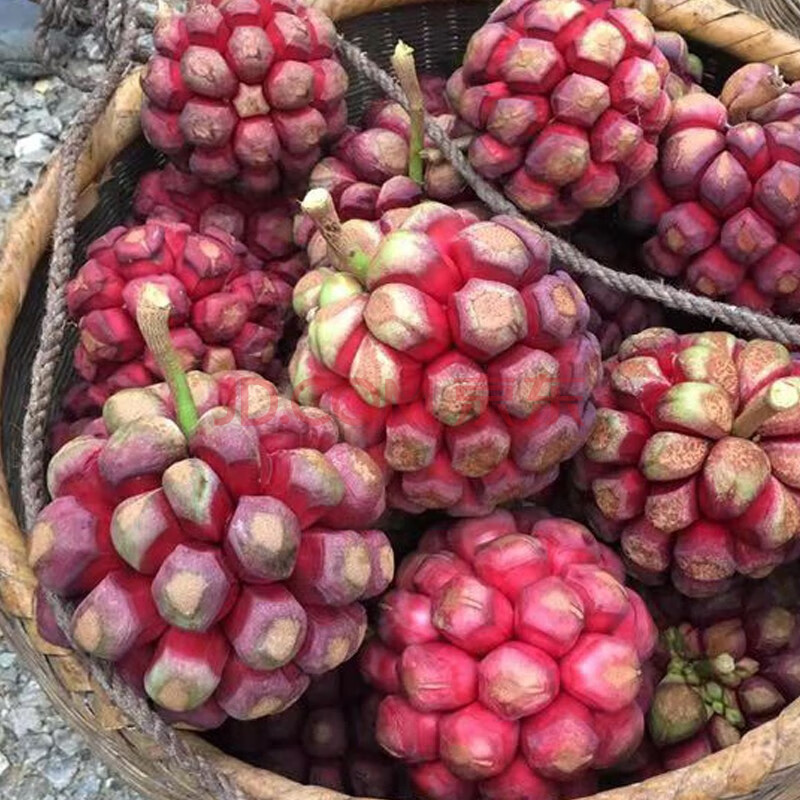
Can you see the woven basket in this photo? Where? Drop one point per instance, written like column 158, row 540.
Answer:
column 767, row 761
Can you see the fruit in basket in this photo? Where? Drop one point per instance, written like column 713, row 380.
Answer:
column 217, row 542
column 568, row 98
column 723, row 199
column 380, row 166
column 686, row 69
column 244, row 92
column 447, row 349
column 229, row 306
column 692, row 464
column 510, row 656
column 724, row 667
column 326, row 739
column 263, row 225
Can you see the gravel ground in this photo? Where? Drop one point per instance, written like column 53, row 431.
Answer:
column 40, row 757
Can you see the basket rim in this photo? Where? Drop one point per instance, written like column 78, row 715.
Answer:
column 771, row 750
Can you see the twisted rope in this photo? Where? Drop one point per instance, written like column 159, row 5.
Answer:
column 573, row 260
column 105, row 17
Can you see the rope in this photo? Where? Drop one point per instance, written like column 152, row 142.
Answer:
column 105, row 17
column 573, row 260
column 54, row 323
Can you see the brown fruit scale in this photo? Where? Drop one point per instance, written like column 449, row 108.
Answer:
column 443, row 346
column 244, row 92
column 510, row 657
column 692, row 465
column 219, row 561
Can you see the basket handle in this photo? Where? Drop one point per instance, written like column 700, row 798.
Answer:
column 723, row 26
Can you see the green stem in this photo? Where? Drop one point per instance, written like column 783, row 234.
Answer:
column 152, row 317
column 318, row 204
column 406, row 71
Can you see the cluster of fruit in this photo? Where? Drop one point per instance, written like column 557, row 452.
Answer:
column 346, row 338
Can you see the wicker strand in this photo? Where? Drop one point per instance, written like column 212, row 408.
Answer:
column 741, row 319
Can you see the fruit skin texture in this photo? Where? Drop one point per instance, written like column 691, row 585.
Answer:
column 722, row 203
column 263, row 224
column 230, row 305
column 568, row 99
column 229, row 565
column 453, row 356
column 723, row 667
column 518, row 655
column 326, row 739
column 367, row 170
column 671, row 471
column 244, row 92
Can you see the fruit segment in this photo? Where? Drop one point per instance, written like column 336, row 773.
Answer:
column 688, row 463
column 495, row 677
column 452, row 353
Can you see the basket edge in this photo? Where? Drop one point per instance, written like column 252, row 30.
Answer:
column 24, row 242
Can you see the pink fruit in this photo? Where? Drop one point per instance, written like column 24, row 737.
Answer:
column 215, row 541
column 501, row 686
column 444, row 345
column 244, row 93
column 566, row 101
column 688, row 463
column 723, row 198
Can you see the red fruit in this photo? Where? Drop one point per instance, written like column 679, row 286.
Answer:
column 724, row 194
column 448, row 349
column 494, row 683
column 211, row 560
column 689, row 463
column 245, row 98
column 228, row 304
column 604, row 81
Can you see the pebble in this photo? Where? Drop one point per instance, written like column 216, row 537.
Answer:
column 41, row 757
column 33, row 149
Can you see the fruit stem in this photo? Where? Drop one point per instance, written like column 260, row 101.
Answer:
column 152, row 317
column 749, row 88
column 318, row 204
column 782, row 395
column 406, row 71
